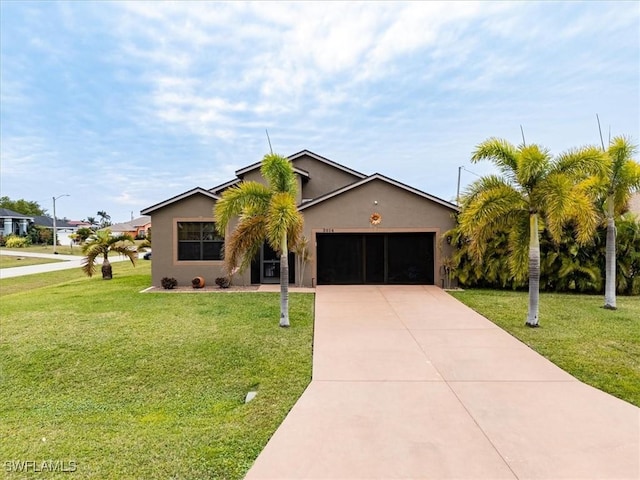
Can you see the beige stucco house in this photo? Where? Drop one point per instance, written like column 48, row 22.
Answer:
column 137, row 227
column 362, row 229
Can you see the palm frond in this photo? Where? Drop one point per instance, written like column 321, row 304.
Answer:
column 248, row 198
column 500, row 152
column 492, row 210
column 242, row 245
column 282, row 217
column 88, row 266
column 279, row 173
column 620, row 151
column 482, row 185
column 126, row 251
column 552, row 198
column 122, row 238
column 533, row 163
column 581, row 163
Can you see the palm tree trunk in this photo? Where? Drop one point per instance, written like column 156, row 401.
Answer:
column 284, row 282
column 610, row 259
column 107, row 271
column 534, row 271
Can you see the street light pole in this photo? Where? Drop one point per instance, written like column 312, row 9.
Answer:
column 55, row 227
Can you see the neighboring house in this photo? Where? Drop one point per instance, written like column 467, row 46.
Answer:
column 18, row 224
column 138, row 227
column 362, row 229
column 13, row 222
column 64, row 228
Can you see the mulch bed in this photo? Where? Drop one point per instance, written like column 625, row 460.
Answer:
column 205, row 289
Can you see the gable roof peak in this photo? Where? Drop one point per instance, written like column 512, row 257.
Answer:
column 177, row 198
column 383, row 178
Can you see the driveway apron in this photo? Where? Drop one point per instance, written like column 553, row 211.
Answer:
column 410, row 383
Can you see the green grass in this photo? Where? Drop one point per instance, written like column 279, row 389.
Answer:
column 132, row 385
column 10, row 261
column 60, row 249
column 599, row 347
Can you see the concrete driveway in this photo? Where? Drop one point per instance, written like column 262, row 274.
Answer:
column 410, row 383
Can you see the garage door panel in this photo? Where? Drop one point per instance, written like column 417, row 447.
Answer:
column 410, row 259
column 374, row 258
column 339, row 259
column 399, row 258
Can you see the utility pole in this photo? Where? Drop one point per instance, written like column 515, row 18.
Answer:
column 458, row 191
column 55, row 227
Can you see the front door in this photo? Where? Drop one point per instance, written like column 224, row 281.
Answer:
column 269, row 265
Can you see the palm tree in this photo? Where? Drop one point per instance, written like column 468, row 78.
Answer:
column 265, row 212
column 621, row 180
column 535, row 191
column 105, row 219
column 101, row 243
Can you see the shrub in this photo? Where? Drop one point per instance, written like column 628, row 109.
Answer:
column 564, row 267
column 83, row 234
column 169, row 283
column 13, row 241
column 223, row 282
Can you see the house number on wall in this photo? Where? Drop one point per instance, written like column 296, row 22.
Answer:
column 327, row 230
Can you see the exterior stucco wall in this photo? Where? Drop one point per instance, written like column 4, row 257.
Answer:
column 634, row 203
column 401, row 211
column 323, row 178
column 197, row 208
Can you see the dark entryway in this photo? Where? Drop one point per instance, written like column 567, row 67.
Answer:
column 265, row 267
column 396, row 258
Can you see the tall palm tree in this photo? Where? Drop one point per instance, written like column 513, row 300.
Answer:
column 621, row 180
column 105, row 219
column 265, row 212
column 535, row 191
column 101, row 243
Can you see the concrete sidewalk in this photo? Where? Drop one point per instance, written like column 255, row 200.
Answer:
column 66, row 262
column 410, row 383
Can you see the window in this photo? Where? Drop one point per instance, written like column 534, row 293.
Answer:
column 199, row 241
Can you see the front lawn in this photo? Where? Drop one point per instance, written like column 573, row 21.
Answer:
column 48, row 249
column 10, row 261
column 145, row 385
column 600, row 347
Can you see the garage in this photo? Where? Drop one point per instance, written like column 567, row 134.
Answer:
column 375, row 258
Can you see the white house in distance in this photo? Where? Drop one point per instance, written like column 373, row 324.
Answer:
column 18, row 224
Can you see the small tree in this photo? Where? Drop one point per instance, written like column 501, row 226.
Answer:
column 303, row 256
column 83, row 234
column 45, row 236
column 621, row 180
column 101, row 243
column 266, row 212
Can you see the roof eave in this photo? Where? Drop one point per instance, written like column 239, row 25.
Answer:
column 177, row 198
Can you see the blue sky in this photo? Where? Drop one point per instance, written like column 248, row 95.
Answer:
column 125, row 104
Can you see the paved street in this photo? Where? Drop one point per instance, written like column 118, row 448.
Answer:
column 68, row 262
